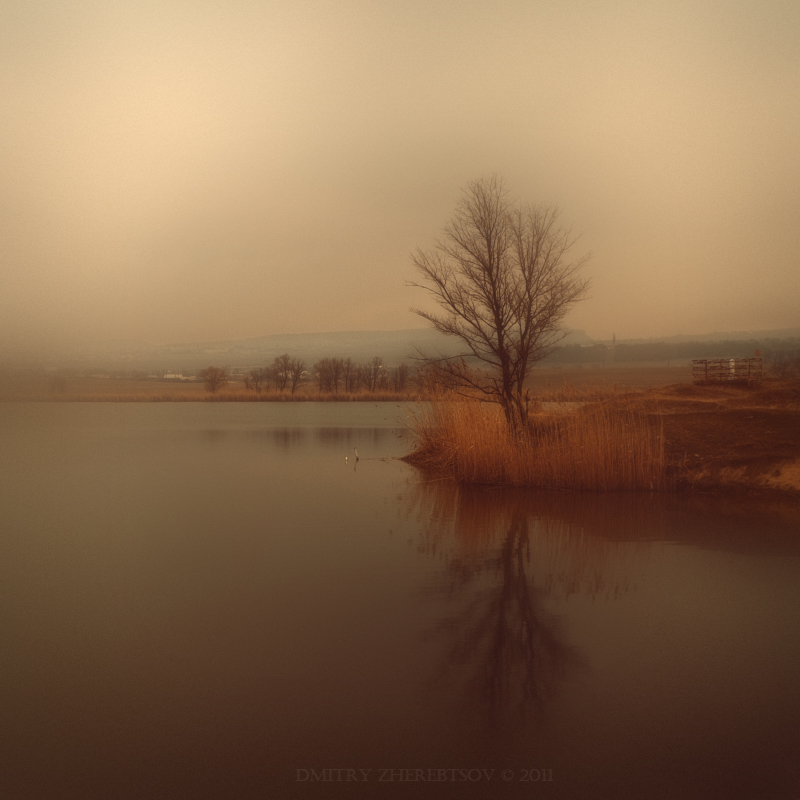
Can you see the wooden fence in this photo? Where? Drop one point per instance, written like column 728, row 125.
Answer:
column 708, row 370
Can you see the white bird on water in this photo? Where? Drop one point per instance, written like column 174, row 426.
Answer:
column 356, row 452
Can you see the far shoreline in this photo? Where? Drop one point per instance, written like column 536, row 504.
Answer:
column 29, row 385
column 719, row 439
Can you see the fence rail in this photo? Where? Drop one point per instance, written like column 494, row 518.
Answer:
column 707, row 370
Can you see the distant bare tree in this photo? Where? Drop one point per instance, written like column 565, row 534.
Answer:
column 350, row 375
column 297, row 373
column 384, row 381
column 337, row 369
column 280, row 371
column 322, row 375
column 503, row 278
column 371, row 373
column 257, row 379
column 214, row 378
column 400, row 377
column 328, row 373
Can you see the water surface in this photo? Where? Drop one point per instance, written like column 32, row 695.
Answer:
column 206, row 600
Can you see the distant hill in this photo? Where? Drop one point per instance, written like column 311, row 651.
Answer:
column 770, row 347
column 393, row 347
column 748, row 336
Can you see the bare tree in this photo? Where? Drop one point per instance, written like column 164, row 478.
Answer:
column 257, row 379
column 382, row 384
column 350, row 375
column 328, row 373
column 280, row 371
column 371, row 373
column 400, row 377
column 337, row 370
column 322, row 373
column 504, row 279
column 297, row 373
column 214, row 378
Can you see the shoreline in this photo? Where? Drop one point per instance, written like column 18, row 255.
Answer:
column 717, row 439
column 225, row 398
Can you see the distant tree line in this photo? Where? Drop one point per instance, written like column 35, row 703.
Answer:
column 771, row 350
column 331, row 376
column 285, row 372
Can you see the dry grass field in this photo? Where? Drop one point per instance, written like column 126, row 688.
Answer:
column 635, row 376
column 730, row 436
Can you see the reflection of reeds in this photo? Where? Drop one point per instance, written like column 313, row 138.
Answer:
column 599, row 447
column 579, row 545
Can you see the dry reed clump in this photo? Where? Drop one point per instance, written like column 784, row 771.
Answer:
column 593, row 448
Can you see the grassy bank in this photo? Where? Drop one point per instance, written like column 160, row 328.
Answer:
column 598, row 447
column 720, row 438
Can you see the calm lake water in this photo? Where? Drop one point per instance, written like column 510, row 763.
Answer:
column 203, row 600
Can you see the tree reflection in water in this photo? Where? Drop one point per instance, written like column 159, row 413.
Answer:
column 516, row 651
column 505, row 554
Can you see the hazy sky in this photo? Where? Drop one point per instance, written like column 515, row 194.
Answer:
column 191, row 170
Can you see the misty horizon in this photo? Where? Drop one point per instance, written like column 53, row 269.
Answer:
column 571, row 336
column 177, row 173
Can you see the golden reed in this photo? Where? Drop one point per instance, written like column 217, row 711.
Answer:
column 602, row 446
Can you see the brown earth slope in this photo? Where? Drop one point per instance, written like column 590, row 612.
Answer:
column 730, row 437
